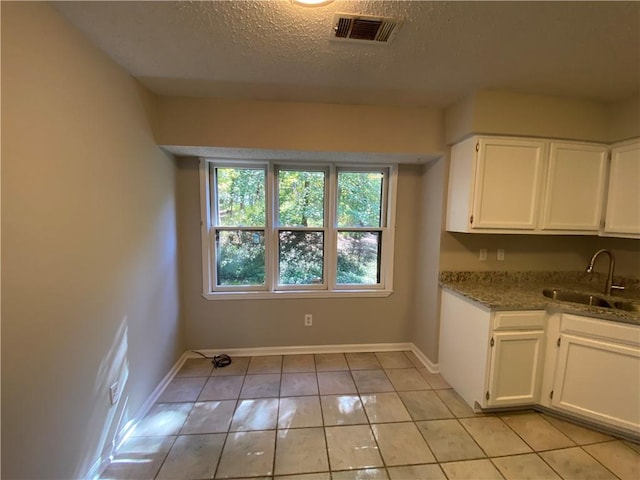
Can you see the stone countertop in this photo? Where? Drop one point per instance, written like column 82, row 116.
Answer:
column 523, row 291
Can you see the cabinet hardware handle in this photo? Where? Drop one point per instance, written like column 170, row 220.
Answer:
column 558, row 342
column 477, row 146
column 492, row 342
column 471, row 219
column 551, row 395
column 487, row 396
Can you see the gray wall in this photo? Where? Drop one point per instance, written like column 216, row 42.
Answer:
column 426, row 325
column 89, row 247
column 261, row 323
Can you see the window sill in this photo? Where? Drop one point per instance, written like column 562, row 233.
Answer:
column 303, row 294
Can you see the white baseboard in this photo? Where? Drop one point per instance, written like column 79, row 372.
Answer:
column 304, row 349
column 146, row 406
column 102, row 463
column 311, row 349
column 429, row 365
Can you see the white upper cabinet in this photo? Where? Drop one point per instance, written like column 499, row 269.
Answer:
column 623, row 197
column 575, row 184
column 494, row 184
column 518, row 185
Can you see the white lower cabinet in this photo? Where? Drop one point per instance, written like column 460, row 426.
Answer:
column 515, row 368
column 597, row 374
column 492, row 359
column 582, row 366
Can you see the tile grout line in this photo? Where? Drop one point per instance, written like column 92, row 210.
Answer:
column 359, row 394
column 598, row 461
column 538, row 452
column 275, row 440
column 324, row 428
column 228, row 431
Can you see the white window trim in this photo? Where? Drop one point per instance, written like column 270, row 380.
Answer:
column 384, row 289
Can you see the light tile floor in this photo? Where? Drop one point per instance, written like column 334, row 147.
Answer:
column 351, row 416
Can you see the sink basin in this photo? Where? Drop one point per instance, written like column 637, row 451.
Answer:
column 576, row 297
column 627, row 306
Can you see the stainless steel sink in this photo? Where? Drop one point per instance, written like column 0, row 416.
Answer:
column 576, row 297
column 627, row 306
column 588, row 299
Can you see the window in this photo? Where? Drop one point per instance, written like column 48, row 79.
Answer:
column 274, row 230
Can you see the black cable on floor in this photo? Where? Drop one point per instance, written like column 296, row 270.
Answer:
column 219, row 361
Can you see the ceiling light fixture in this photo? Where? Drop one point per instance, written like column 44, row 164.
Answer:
column 312, row 3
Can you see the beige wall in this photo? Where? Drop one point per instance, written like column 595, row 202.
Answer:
column 506, row 113
column 426, row 325
column 89, row 248
column 535, row 252
column 624, row 119
column 260, row 323
column 198, row 122
column 89, row 262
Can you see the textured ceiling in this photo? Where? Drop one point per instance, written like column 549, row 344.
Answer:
column 277, row 50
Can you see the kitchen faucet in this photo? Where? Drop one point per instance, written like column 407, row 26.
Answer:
column 612, row 264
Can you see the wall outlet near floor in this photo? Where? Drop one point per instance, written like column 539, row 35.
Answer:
column 308, row 320
column 114, row 393
column 500, row 255
column 483, row 255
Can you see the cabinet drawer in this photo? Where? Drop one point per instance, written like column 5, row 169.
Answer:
column 596, row 328
column 524, row 320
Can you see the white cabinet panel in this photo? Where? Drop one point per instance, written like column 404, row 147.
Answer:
column 464, row 345
column 515, row 372
column 519, row 320
column 491, row 369
column 524, row 185
column 574, row 187
column 623, row 196
column 599, row 380
column 507, row 184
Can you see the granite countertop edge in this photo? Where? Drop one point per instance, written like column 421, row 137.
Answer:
column 523, row 291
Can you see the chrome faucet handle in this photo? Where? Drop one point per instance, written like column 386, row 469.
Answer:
column 617, row 287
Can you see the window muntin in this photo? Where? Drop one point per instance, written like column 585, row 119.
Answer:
column 239, row 226
column 295, row 229
column 360, row 219
column 300, row 218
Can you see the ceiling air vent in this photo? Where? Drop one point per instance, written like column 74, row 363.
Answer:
column 364, row 28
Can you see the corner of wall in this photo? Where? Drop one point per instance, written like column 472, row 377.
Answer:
column 458, row 119
column 624, row 119
column 508, row 113
column 150, row 106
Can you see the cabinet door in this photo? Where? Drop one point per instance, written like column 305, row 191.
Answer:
column 515, row 368
column 464, row 334
column 599, row 380
column 574, row 187
column 623, row 198
column 507, row 184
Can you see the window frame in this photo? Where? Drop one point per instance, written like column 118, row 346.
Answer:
column 271, row 289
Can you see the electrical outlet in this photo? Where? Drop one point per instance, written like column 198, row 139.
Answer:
column 500, row 255
column 114, row 393
column 308, row 320
column 483, row 255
